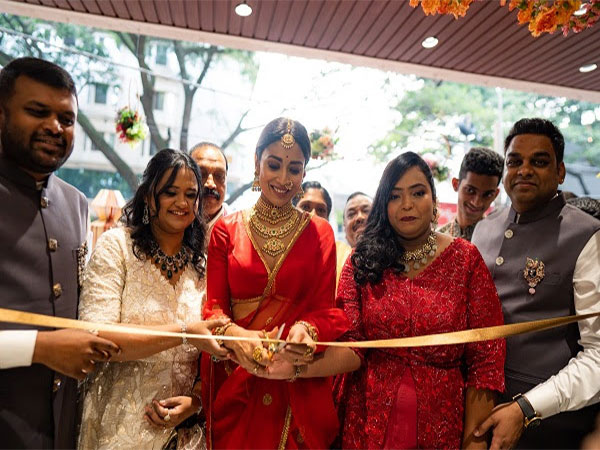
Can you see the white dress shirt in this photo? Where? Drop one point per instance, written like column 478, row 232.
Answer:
column 578, row 383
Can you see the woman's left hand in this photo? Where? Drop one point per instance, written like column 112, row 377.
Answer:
column 300, row 347
column 171, row 411
column 279, row 369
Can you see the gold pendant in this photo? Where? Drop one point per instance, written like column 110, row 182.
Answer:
column 273, row 247
column 533, row 273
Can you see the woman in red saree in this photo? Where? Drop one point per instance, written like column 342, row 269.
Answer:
column 271, row 267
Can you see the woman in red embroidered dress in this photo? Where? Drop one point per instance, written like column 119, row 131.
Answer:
column 406, row 280
column 271, row 266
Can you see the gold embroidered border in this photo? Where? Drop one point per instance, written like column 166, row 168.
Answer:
column 286, row 428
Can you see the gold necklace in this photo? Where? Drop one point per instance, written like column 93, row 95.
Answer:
column 273, row 214
column 274, row 244
column 419, row 256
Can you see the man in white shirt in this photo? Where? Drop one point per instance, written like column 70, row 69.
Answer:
column 356, row 212
column 42, row 235
column 213, row 168
column 544, row 256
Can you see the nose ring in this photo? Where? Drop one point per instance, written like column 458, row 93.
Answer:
column 289, row 185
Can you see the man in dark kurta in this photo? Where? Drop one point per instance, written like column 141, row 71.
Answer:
column 544, row 257
column 42, row 248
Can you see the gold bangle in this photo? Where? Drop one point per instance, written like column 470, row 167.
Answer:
column 220, row 331
column 296, row 374
column 312, row 331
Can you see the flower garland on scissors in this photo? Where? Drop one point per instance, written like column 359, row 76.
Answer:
column 543, row 16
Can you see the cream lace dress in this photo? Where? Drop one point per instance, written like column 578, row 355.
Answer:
column 120, row 288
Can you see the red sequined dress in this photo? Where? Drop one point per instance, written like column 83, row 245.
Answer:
column 455, row 292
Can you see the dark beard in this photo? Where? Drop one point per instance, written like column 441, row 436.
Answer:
column 24, row 155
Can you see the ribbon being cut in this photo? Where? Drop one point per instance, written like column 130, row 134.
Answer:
column 455, row 337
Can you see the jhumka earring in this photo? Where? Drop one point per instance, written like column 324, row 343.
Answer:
column 146, row 218
column 287, row 140
column 434, row 220
column 300, row 194
column 255, row 184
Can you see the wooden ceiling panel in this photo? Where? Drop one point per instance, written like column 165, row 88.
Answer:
column 121, row 10
column 370, row 17
column 383, row 21
column 192, row 14
column 354, row 18
column 337, row 23
column 265, row 17
column 206, row 16
column 321, row 23
column 280, row 16
column 91, row 6
column 307, row 21
column 487, row 42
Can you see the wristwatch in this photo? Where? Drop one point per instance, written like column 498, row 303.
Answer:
column 532, row 418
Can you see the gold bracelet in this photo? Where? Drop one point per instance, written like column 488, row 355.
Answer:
column 220, row 331
column 296, row 374
column 312, row 331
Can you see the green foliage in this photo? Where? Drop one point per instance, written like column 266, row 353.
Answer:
column 436, row 116
column 91, row 181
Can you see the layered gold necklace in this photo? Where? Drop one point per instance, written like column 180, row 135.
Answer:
column 263, row 212
column 420, row 256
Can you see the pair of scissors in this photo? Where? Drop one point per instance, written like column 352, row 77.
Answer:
column 273, row 347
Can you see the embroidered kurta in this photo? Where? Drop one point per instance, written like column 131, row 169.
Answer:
column 455, row 292
column 120, row 288
column 245, row 411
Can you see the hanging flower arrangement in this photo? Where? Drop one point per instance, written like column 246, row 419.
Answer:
column 543, row 16
column 437, row 165
column 322, row 144
column 131, row 127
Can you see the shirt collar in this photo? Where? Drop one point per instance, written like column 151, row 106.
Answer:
column 553, row 207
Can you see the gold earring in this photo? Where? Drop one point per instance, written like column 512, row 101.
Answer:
column 300, row 194
column 255, row 184
column 434, row 219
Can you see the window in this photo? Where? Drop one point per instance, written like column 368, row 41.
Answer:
column 100, row 93
column 159, row 101
column 161, row 55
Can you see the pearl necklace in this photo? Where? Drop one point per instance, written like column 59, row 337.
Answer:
column 419, row 256
column 169, row 264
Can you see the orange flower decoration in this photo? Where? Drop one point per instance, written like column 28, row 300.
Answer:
column 543, row 16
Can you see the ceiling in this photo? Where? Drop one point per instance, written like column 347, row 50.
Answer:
column 486, row 47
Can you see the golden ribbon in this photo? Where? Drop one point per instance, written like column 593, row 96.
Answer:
column 455, row 337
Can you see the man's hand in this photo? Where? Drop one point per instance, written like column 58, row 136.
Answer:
column 506, row 420
column 72, row 352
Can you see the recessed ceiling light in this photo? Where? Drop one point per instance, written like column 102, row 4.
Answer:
column 581, row 11
column 243, row 9
column 430, row 42
column 588, row 68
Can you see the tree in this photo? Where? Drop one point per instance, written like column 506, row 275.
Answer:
column 440, row 115
column 190, row 56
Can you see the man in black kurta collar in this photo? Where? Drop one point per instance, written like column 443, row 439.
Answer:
column 544, row 256
column 42, row 248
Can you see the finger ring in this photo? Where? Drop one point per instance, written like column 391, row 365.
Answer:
column 309, row 352
column 167, row 417
column 94, row 332
column 255, row 370
column 272, row 347
column 257, row 354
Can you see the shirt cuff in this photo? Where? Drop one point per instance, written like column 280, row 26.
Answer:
column 543, row 398
column 16, row 348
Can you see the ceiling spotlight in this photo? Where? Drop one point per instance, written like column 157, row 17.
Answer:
column 588, row 68
column 581, row 11
column 430, row 42
column 243, row 9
